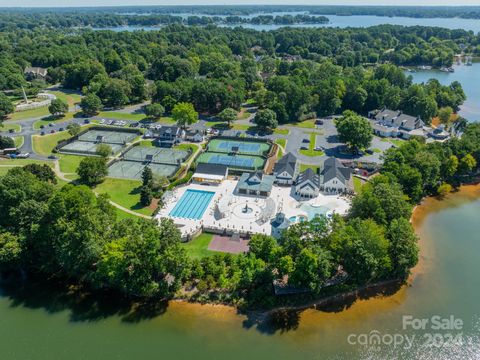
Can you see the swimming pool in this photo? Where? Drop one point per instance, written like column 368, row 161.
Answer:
column 313, row 211
column 192, row 204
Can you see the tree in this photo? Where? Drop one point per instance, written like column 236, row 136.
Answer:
column 228, row 115
column 6, row 106
column 6, row 142
column 264, row 247
column 103, row 150
column 91, row 104
column 403, row 246
column 154, row 110
column 58, row 107
column 147, row 176
column 467, row 164
column 184, row 114
column 146, row 195
column 10, row 251
column 74, row 129
column 42, row 172
column 92, row 170
column 354, row 130
column 311, row 269
column 445, row 115
column 266, row 119
column 444, row 189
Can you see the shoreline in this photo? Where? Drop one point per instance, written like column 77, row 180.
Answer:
column 420, row 212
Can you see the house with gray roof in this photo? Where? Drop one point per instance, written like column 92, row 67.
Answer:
column 35, row 72
column 307, row 184
column 286, row 169
column 256, row 183
column 168, row 136
column 335, row 177
column 393, row 123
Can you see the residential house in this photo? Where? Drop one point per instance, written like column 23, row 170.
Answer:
column 335, row 177
column 194, row 135
column 392, row 123
column 168, row 136
column 35, row 73
column 256, row 183
column 286, row 169
column 307, row 184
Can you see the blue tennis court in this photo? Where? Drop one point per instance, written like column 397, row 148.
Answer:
column 231, row 160
column 243, row 147
column 192, row 204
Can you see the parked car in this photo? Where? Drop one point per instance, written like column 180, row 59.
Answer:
column 306, row 140
column 61, row 129
column 52, row 131
column 369, row 151
column 318, row 148
column 319, row 122
column 50, row 124
column 304, row 148
column 86, row 121
column 11, row 131
column 42, row 126
column 102, row 121
column 42, row 133
column 53, row 157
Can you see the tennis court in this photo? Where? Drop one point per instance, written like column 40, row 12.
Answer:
column 233, row 161
column 108, row 136
column 133, row 169
column 156, row 155
column 238, row 146
column 86, row 147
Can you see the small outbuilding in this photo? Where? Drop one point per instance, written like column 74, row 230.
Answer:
column 210, row 173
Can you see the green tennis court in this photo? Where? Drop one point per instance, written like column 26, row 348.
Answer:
column 233, row 161
column 238, row 146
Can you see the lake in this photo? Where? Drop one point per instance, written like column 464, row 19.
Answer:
column 39, row 324
column 345, row 21
column 468, row 76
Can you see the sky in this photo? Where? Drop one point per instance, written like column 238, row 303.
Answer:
column 69, row 3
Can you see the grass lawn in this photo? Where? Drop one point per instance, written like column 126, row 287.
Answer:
column 124, row 215
column 243, row 114
column 43, row 145
column 198, row 247
column 281, row 131
column 27, row 114
column 125, row 193
column 307, row 124
column 186, row 147
column 357, row 185
column 311, row 147
column 69, row 163
column 282, row 143
column 146, row 143
column 7, row 164
column 304, row 167
column 376, row 150
column 5, row 126
column 121, row 116
column 70, row 97
column 18, row 141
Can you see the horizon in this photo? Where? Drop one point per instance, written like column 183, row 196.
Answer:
column 27, row 4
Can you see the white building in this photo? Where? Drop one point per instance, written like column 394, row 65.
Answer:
column 307, row 184
column 335, row 177
column 286, row 170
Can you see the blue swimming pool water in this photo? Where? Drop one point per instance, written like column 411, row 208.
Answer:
column 313, row 211
column 192, row 204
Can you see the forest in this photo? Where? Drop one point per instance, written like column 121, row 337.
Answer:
column 295, row 72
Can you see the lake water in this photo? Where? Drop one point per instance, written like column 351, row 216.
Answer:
column 348, row 21
column 468, row 76
column 38, row 324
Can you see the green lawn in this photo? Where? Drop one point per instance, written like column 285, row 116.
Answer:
column 186, row 147
column 307, row 124
column 70, row 97
column 357, row 184
column 304, row 167
column 7, row 164
column 146, row 143
column 281, row 131
column 282, row 143
column 69, row 163
column 121, row 116
column 311, row 147
column 124, row 215
column 5, row 126
column 43, row 145
column 34, row 113
column 198, row 247
column 18, row 141
column 396, row 142
column 125, row 193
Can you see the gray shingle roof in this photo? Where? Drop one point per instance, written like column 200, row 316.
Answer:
column 308, row 175
column 286, row 164
column 333, row 168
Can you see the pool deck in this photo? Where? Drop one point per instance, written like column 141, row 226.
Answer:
column 236, row 220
